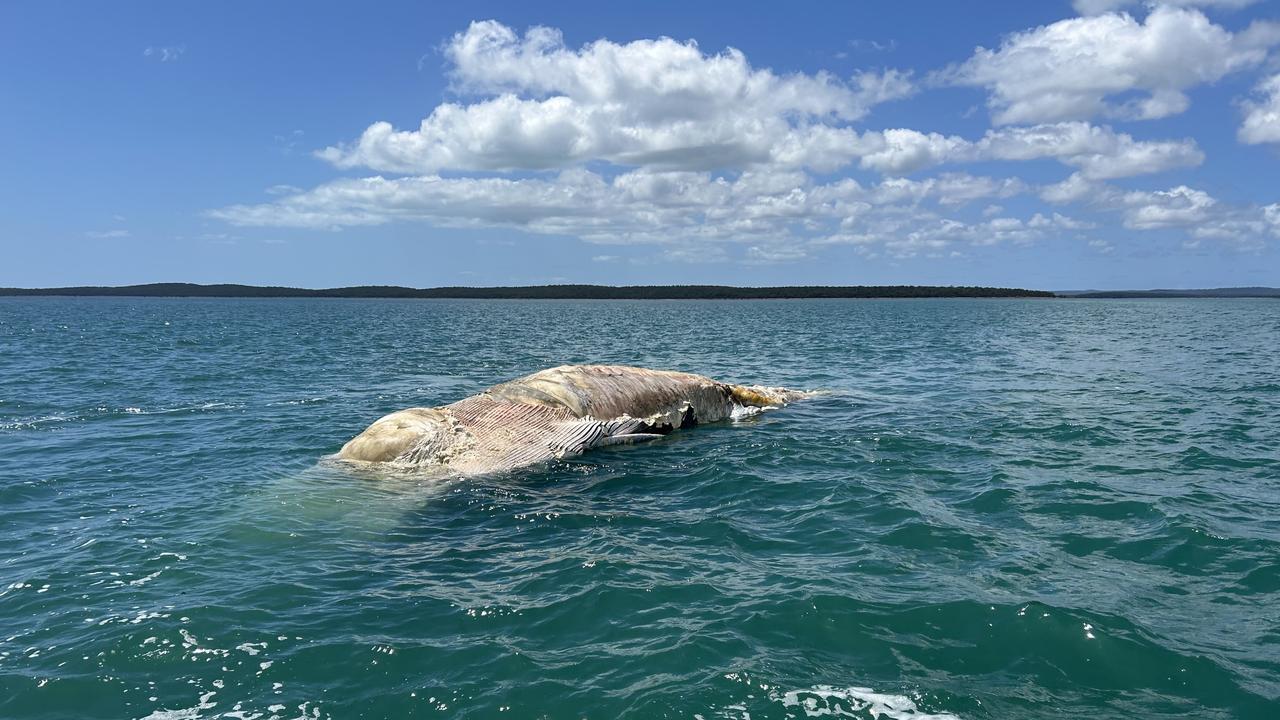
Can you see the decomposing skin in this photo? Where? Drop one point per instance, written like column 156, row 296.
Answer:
column 555, row 413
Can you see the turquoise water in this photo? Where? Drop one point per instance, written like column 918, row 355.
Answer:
column 1001, row 509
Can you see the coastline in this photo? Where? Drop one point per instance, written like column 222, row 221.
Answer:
column 538, row 292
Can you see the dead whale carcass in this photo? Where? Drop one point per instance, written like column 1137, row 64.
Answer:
column 555, row 413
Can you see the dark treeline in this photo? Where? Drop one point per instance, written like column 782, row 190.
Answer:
column 543, row 292
column 1236, row 292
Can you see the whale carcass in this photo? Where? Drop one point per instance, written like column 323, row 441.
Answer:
column 555, row 413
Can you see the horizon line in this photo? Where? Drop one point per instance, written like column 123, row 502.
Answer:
column 586, row 291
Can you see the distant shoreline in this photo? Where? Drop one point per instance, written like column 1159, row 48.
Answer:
column 538, row 292
column 625, row 292
column 1230, row 292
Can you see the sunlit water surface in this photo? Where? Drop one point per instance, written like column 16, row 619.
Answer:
column 1001, row 509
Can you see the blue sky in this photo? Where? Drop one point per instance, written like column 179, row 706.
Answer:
column 1060, row 145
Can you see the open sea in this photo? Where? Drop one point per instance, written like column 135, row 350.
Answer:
column 998, row 509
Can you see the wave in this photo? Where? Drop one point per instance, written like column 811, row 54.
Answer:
column 102, row 412
column 825, row 700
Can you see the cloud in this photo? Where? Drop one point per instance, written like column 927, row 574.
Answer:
column 935, row 237
column 951, row 189
column 1058, row 220
column 656, row 79
column 657, row 103
column 658, row 142
column 528, row 144
column 1099, row 152
column 666, row 105
column 165, row 54
column 108, row 234
column 865, row 45
column 1182, row 208
column 901, row 150
column 1262, row 114
column 1178, row 207
column 696, row 254
column 777, row 217
column 1074, row 189
column 1102, row 246
column 768, row 210
column 1202, row 216
column 774, row 254
column 993, row 231
column 287, row 143
column 1097, row 7
column 1271, row 214
column 1082, row 68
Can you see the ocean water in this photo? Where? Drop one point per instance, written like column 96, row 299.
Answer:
column 998, row 509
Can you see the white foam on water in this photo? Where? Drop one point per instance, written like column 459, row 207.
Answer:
column 237, row 712
column 33, row 423
column 142, row 616
column 146, row 579
column 201, row 407
column 854, row 702
column 14, row 586
column 303, row 401
column 190, row 713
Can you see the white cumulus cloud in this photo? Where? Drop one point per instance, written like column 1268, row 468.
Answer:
column 659, row 142
column 1183, row 208
column 768, row 210
column 1177, row 207
column 1098, row 151
column 1262, row 114
column 663, row 104
column 1095, row 7
column 659, row 103
column 1081, row 68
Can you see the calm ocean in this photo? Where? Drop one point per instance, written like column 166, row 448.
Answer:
column 1000, row 509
